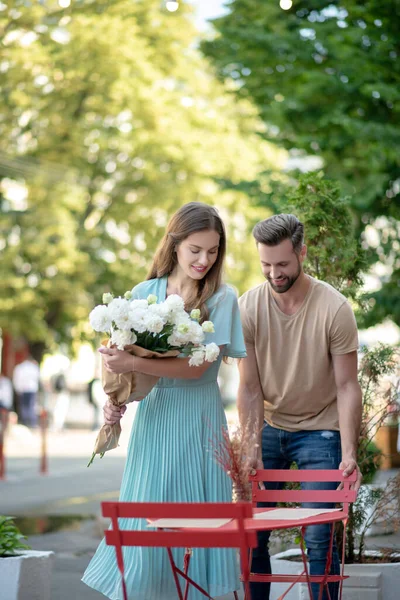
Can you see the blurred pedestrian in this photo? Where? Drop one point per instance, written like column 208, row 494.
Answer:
column 61, row 405
column 6, row 403
column 6, row 392
column 97, row 398
column 26, row 383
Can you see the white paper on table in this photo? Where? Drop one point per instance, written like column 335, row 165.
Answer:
column 189, row 523
column 292, row 514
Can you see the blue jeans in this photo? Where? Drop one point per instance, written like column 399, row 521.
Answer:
column 28, row 408
column 309, row 450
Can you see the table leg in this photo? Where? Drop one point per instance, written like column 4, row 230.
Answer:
column 324, row 583
column 304, row 558
column 186, row 563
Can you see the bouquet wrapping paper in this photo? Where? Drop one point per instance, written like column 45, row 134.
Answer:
column 123, row 388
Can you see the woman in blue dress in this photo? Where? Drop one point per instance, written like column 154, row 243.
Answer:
column 170, row 454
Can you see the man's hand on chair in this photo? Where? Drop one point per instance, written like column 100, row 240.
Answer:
column 348, row 465
column 257, row 464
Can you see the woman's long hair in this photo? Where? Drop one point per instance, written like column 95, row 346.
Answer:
column 191, row 218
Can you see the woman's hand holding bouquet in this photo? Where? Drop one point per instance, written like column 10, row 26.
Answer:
column 149, row 330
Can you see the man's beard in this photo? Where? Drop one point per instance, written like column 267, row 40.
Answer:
column 290, row 280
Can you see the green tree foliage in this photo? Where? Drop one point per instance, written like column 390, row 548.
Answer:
column 110, row 121
column 325, row 77
column 333, row 254
column 384, row 303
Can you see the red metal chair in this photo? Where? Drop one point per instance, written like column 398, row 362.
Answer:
column 178, row 537
column 344, row 495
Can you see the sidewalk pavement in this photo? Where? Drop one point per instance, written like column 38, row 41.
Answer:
column 22, row 441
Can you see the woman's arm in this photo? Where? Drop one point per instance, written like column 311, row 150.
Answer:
column 119, row 361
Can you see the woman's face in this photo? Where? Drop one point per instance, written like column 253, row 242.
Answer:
column 197, row 253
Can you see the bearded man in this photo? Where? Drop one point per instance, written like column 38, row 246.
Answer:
column 298, row 383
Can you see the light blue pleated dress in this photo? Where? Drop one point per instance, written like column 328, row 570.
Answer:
column 170, row 459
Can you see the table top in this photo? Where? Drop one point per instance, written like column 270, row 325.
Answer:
column 279, row 519
column 258, row 524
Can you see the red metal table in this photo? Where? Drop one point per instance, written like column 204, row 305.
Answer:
column 255, row 524
column 266, row 524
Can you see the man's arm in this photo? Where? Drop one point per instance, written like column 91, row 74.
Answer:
column 349, row 402
column 250, row 401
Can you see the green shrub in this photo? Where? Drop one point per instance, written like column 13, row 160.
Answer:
column 10, row 538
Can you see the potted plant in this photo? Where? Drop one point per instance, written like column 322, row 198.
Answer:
column 374, row 504
column 24, row 574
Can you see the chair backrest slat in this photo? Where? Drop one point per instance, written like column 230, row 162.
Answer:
column 177, row 510
column 344, row 495
column 303, row 475
column 331, row 496
column 193, row 538
column 174, row 538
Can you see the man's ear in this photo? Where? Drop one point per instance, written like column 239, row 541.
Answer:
column 303, row 253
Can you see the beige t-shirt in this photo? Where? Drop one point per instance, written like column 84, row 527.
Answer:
column 294, row 354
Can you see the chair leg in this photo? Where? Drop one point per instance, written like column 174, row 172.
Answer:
column 328, row 565
column 247, row 595
column 125, row 593
column 304, row 558
column 343, row 557
column 194, row 584
column 246, row 584
column 173, row 567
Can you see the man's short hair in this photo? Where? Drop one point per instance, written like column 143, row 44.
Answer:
column 278, row 228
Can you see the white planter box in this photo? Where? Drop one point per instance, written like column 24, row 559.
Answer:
column 372, row 581
column 26, row 576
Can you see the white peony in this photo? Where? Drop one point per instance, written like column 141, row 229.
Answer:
column 197, row 357
column 174, row 339
column 122, row 338
column 138, row 309
column 196, row 333
column 128, row 295
column 178, row 339
column 178, row 317
column 153, row 323
column 137, row 320
column 138, row 304
column 100, row 318
column 119, row 310
column 211, row 352
column 175, row 303
column 159, row 309
column 151, row 299
column 208, row 327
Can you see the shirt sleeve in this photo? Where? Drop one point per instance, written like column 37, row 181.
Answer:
column 343, row 332
column 224, row 313
column 247, row 324
column 140, row 291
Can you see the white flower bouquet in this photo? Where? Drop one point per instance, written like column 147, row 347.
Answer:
column 147, row 329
